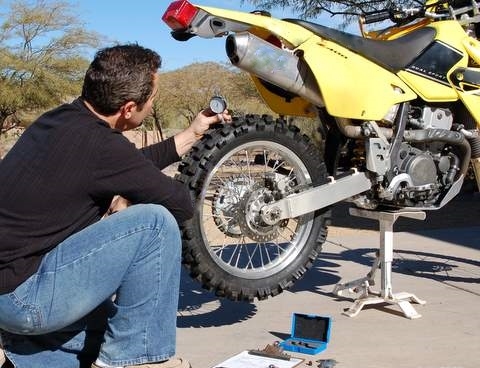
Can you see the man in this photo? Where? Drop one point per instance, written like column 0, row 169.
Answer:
column 60, row 262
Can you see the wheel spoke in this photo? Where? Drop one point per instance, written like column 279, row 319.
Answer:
column 248, row 259
column 239, row 185
column 238, row 254
column 248, row 165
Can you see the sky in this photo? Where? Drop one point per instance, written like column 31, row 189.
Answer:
column 140, row 21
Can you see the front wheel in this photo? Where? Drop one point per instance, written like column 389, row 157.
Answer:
column 231, row 174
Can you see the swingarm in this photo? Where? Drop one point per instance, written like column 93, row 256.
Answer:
column 316, row 198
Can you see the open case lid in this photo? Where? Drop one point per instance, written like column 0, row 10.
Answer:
column 311, row 327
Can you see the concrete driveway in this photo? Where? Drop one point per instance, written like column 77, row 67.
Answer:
column 437, row 259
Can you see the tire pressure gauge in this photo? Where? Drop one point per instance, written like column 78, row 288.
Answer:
column 218, row 104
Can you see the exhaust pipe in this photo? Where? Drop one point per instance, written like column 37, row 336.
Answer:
column 272, row 64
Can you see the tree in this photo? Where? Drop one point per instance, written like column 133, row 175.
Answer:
column 349, row 9
column 186, row 91
column 41, row 55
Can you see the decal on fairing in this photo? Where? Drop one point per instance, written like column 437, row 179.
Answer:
column 435, row 62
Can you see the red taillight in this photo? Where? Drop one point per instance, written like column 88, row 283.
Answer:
column 179, row 14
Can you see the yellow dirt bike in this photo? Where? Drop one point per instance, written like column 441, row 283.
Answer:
column 400, row 116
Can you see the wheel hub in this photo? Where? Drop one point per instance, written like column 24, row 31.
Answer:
column 226, row 203
column 250, row 220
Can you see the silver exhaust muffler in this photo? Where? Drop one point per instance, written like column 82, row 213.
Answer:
column 273, row 64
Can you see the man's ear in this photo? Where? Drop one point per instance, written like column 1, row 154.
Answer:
column 128, row 108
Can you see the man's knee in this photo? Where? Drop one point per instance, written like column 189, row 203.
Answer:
column 152, row 212
column 159, row 218
column 160, row 213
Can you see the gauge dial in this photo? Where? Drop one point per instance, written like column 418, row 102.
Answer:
column 218, row 104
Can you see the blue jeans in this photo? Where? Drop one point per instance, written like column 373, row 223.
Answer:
column 64, row 315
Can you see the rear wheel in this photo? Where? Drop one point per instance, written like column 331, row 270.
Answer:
column 231, row 174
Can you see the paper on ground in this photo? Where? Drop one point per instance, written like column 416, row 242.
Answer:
column 246, row 360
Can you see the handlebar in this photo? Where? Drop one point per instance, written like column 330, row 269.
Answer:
column 441, row 9
column 399, row 15
column 375, row 17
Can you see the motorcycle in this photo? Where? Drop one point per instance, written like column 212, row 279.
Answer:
column 399, row 113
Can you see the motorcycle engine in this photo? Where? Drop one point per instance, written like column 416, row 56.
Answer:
column 420, row 172
column 418, row 165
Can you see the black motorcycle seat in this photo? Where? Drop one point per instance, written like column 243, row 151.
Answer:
column 393, row 55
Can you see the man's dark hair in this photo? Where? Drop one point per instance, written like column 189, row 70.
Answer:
column 120, row 74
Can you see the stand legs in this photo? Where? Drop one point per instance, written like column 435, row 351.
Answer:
column 384, row 262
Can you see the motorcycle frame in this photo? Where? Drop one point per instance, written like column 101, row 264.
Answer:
column 365, row 96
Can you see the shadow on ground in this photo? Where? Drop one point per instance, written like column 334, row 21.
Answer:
column 457, row 223
column 198, row 307
column 434, row 266
column 453, row 223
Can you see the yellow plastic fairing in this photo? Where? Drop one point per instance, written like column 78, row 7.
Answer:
column 427, row 89
column 352, row 86
column 473, row 48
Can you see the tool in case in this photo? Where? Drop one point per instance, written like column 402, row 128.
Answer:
column 310, row 334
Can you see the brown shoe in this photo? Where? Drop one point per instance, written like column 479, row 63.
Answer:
column 171, row 363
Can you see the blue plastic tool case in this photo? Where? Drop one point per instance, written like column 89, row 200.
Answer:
column 310, row 334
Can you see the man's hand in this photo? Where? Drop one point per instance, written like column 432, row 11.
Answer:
column 204, row 119
column 186, row 139
column 118, row 203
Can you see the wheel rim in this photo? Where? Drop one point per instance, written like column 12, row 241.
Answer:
column 234, row 191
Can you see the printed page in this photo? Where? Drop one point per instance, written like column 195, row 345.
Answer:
column 246, row 360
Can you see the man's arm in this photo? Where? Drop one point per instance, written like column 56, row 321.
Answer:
column 187, row 138
column 169, row 151
column 121, row 169
column 162, row 153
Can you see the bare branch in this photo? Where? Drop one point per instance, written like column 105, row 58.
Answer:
column 348, row 9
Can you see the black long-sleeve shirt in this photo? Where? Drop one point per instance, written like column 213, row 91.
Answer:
column 61, row 176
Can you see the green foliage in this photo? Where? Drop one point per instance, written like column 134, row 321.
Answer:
column 41, row 55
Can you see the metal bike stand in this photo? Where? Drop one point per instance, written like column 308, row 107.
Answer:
column 383, row 261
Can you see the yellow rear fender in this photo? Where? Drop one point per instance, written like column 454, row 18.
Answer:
column 214, row 22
